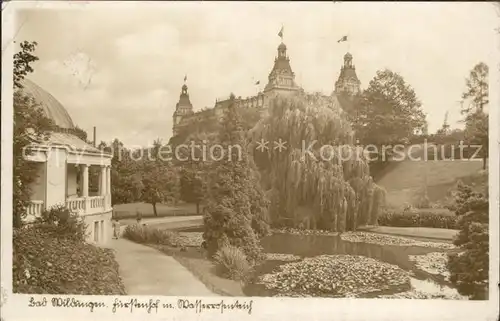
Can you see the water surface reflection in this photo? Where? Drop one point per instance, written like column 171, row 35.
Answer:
column 314, row 245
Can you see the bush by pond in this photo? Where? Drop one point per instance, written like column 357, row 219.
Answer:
column 421, row 218
column 335, row 276
column 383, row 239
column 231, row 262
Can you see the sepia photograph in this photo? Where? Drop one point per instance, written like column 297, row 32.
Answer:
column 248, row 152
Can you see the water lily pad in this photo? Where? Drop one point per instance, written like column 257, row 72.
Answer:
column 381, row 239
column 433, row 263
column 334, row 275
column 295, row 231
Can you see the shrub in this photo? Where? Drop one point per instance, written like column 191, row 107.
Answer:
column 469, row 269
column 232, row 263
column 236, row 207
column 421, row 218
column 44, row 263
column 149, row 235
column 62, row 222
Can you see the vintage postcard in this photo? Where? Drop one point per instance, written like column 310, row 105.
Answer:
column 250, row 160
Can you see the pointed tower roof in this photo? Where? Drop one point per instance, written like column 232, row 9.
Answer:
column 184, row 105
column 282, row 71
column 348, row 70
column 348, row 80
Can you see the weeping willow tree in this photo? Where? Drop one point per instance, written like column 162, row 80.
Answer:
column 318, row 179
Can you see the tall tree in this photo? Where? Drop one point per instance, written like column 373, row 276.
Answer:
column 159, row 177
column 469, row 269
column 476, row 133
column 153, row 180
column 236, row 208
column 29, row 124
column 477, row 88
column 388, row 111
column 23, row 61
column 194, row 167
column 126, row 180
column 192, row 186
column 476, row 118
column 317, row 177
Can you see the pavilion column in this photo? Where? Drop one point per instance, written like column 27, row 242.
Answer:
column 103, row 180
column 85, row 180
column 108, row 185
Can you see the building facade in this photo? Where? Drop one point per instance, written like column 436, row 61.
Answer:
column 65, row 165
column 281, row 81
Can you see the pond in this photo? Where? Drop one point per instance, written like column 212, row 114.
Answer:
column 307, row 246
column 283, row 246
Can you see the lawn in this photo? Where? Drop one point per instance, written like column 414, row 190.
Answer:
column 124, row 211
column 420, row 233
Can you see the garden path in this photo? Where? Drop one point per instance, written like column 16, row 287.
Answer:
column 146, row 271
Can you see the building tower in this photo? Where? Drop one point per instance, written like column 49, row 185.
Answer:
column 281, row 78
column 446, row 126
column 182, row 108
column 348, row 82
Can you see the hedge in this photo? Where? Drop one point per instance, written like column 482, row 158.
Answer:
column 151, row 235
column 419, row 219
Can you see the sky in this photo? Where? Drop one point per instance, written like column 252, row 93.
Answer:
column 120, row 67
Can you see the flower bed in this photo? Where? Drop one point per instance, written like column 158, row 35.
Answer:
column 382, row 239
column 433, row 263
column 430, row 218
column 335, row 276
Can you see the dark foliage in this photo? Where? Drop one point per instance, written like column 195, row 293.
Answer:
column 44, row 263
column 63, row 223
column 50, row 256
column 235, row 205
column 469, row 268
column 30, row 124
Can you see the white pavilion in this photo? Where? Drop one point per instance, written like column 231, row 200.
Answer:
column 71, row 171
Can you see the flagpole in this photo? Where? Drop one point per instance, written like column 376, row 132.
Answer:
column 280, row 34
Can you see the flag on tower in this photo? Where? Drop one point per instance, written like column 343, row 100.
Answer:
column 280, row 34
column 185, row 78
column 344, row 38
